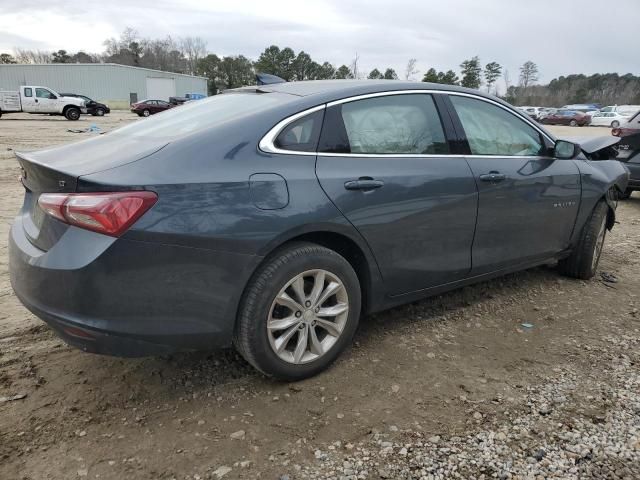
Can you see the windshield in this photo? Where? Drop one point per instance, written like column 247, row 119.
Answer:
column 194, row 116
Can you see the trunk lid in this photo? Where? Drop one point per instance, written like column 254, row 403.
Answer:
column 58, row 169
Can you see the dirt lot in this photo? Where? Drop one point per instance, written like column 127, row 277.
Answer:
column 453, row 386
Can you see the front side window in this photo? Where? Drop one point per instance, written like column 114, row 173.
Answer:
column 394, row 125
column 43, row 93
column 492, row 130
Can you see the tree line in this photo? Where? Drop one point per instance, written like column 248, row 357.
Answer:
column 190, row 55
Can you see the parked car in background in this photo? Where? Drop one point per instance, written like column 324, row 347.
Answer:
column 629, row 151
column 567, row 117
column 626, row 110
column 545, row 111
column 149, row 107
column 607, row 119
column 94, row 108
column 43, row 100
column 583, row 107
column 271, row 218
column 187, row 98
column 533, row 112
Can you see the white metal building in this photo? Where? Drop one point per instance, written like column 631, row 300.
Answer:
column 110, row 83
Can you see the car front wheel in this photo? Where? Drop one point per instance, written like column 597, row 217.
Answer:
column 573, row 123
column 299, row 312
column 99, row 112
column 146, row 113
column 72, row 113
column 615, row 124
column 583, row 261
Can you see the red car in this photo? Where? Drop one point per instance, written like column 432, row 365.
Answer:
column 149, row 107
column 567, row 117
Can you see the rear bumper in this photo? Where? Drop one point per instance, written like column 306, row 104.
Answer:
column 129, row 298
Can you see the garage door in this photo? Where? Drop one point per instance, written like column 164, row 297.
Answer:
column 160, row 88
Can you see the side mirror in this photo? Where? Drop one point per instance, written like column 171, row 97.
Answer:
column 52, row 96
column 566, row 150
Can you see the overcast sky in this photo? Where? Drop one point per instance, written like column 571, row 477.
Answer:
column 561, row 36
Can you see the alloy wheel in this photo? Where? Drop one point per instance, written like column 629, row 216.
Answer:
column 307, row 316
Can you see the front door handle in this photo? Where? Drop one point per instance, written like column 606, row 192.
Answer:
column 493, row 177
column 363, row 183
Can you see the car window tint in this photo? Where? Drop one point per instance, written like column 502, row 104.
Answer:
column 492, row 130
column 28, row 92
column 396, row 124
column 301, row 135
column 42, row 93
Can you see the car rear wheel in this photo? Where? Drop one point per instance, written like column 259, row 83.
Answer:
column 615, row 124
column 146, row 113
column 583, row 261
column 72, row 113
column 573, row 123
column 299, row 312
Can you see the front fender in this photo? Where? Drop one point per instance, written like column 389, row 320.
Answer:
column 600, row 179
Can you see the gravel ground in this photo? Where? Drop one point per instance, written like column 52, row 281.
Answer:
column 529, row 376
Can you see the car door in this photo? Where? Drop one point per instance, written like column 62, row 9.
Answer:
column 528, row 201
column 44, row 102
column 162, row 106
column 27, row 100
column 384, row 161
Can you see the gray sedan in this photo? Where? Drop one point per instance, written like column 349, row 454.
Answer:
column 271, row 218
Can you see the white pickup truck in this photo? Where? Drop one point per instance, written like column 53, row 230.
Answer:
column 32, row 99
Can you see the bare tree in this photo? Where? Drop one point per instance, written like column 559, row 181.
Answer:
column 411, row 69
column 32, row 56
column 193, row 49
column 528, row 74
column 354, row 66
column 507, row 80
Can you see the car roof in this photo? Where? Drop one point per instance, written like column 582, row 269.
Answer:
column 327, row 90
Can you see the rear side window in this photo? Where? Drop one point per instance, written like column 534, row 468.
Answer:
column 492, row 130
column 392, row 125
column 206, row 113
column 301, row 135
column 28, row 92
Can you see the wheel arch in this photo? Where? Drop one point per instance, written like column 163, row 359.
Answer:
column 68, row 106
column 355, row 251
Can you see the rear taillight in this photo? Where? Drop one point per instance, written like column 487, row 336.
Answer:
column 109, row 213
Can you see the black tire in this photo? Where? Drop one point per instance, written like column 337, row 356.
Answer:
column 583, row 261
column 251, row 337
column 72, row 113
column 99, row 112
column 146, row 113
column 624, row 195
column 615, row 124
column 573, row 123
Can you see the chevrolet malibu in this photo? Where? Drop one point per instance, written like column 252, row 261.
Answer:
column 271, row 218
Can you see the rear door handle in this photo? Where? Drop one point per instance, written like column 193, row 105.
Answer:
column 493, row 177
column 363, row 183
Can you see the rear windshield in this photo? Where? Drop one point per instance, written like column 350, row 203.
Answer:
column 197, row 115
